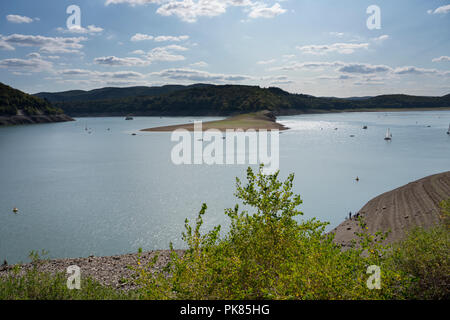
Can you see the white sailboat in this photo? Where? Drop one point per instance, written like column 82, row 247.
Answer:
column 388, row 135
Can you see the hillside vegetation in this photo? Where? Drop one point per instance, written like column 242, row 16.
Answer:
column 12, row 100
column 221, row 100
column 110, row 93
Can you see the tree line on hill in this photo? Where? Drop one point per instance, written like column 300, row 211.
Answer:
column 12, row 100
column 197, row 99
column 203, row 99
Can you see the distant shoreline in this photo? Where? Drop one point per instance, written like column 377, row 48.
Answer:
column 33, row 119
column 283, row 112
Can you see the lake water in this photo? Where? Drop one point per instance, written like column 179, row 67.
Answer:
column 109, row 192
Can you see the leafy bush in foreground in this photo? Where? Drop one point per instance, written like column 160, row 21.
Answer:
column 424, row 256
column 35, row 285
column 267, row 254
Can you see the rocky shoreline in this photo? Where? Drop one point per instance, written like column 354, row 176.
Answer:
column 21, row 119
column 111, row 271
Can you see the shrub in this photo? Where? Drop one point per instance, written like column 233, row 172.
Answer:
column 266, row 254
column 424, row 258
column 35, row 285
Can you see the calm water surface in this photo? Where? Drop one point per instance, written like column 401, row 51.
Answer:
column 109, row 192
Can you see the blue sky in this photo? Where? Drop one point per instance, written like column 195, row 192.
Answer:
column 318, row 47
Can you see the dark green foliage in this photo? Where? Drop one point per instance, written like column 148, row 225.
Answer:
column 12, row 100
column 110, row 93
column 267, row 254
column 220, row 100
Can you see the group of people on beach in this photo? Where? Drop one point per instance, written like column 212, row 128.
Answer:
column 354, row 216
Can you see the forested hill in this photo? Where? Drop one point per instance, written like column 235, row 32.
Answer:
column 13, row 102
column 110, row 93
column 17, row 107
column 220, row 100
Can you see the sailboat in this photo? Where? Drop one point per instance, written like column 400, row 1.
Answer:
column 448, row 131
column 388, row 135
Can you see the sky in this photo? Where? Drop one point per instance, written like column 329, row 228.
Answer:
column 319, row 47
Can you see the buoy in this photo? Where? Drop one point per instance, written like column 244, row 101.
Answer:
column 15, row 210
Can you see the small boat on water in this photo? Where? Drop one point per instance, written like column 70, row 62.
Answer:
column 448, row 131
column 129, row 118
column 388, row 135
column 365, row 127
column 15, row 210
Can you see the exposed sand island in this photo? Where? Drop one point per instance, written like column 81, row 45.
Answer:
column 415, row 204
column 262, row 120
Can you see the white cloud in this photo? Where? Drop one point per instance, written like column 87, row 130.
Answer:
column 166, row 53
column 97, row 74
column 441, row 59
column 115, row 61
column 190, row 11
column 171, row 38
column 197, row 75
column 288, row 56
column 264, row 62
column 18, row 19
column 337, row 34
column 294, row 66
column 200, row 64
column 34, row 64
column 46, row 44
column 81, row 30
column 4, row 45
column 382, row 38
column 363, row 68
column 262, row 11
column 36, row 55
column 343, row 48
column 415, row 70
column 141, row 37
column 441, row 10
column 75, row 72
column 132, row 2
column 138, row 52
